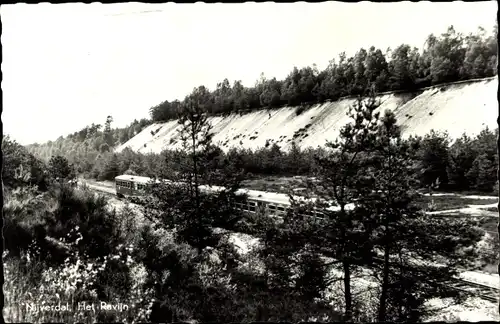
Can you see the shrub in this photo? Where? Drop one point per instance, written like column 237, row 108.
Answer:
column 300, row 109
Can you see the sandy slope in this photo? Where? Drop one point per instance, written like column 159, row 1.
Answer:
column 456, row 108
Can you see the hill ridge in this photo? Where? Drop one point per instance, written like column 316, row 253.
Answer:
column 457, row 107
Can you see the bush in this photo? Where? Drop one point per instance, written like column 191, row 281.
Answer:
column 433, row 158
column 300, row 109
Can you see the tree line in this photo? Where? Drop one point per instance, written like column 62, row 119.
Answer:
column 468, row 164
column 448, row 57
column 83, row 148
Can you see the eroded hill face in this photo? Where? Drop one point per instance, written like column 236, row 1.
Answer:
column 457, row 108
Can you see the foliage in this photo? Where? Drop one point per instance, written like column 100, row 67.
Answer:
column 84, row 147
column 433, row 159
column 412, row 244
column 60, row 169
column 21, row 168
column 448, row 57
column 342, row 175
column 193, row 215
column 64, row 246
column 371, row 167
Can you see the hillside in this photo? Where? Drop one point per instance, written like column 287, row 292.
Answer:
column 457, row 108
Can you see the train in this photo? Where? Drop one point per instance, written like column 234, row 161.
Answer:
column 261, row 202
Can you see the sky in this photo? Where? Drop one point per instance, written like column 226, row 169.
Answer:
column 66, row 66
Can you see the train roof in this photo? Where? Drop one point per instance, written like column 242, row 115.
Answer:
column 134, row 178
column 265, row 196
column 272, row 197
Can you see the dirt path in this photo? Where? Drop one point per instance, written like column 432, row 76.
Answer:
column 461, row 196
column 470, row 210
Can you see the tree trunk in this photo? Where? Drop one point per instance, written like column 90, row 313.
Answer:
column 385, row 285
column 347, row 291
column 498, row 177
column 346, row 264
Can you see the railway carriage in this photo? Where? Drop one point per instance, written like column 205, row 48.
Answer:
column 130, row 185
column 258, row 202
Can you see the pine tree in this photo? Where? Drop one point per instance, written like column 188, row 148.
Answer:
column 60, row 169
column 340, row 172
column 186, row 204
column 420, row 254
column 111, row 168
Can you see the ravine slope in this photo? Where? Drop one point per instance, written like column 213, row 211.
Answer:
column 461, row 107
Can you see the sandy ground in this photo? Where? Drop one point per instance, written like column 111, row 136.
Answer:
column 462, row 196
column 473, row 310
column 492, row 280
column 457, row 108
column 472, row 210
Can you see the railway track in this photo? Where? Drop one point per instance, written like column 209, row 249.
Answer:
column 480, row 290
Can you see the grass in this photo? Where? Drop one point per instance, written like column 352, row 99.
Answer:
column 275, row 184
column 489, row 224
column 450, row 202
column 31, row 283
column 465, row 192
column 490, row 268
column 27, row 289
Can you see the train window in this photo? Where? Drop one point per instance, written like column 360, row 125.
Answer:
column 271, row 207
column 251, row 208
column 320, row 215
column 281, row 209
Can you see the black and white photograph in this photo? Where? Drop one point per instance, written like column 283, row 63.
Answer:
column 250, row 162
